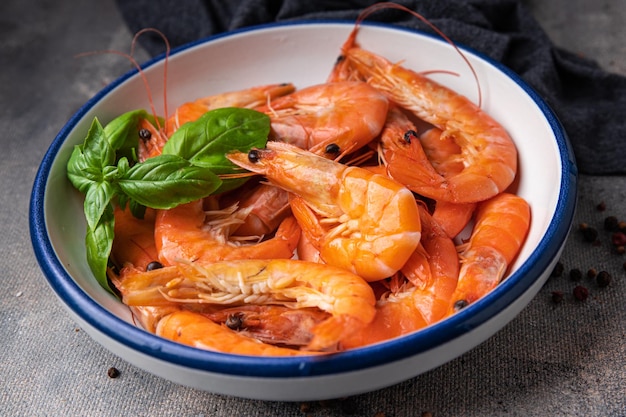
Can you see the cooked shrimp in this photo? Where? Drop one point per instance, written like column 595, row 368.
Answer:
column 194, row 329
column 188, row 233
column 488, row 152
column 501, row 226
column 246, row 98
column 292, row 283
column 360, row 221
column 134, row 250
column 422, row 291
column 274, row 324
column 173, row 322
column 328, row 119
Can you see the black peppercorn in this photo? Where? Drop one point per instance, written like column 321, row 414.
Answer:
column 603, row 279
column 575, row 274
column 590, row 234
column 558, row 270
column 113, row 372
column 610, row 223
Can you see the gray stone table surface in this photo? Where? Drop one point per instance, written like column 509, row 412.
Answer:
column 566, row 359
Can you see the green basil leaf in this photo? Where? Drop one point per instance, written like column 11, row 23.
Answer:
column 96, row 149
column 122, row 132
column 99, row 242
column 166, row 181
column 97, row 199
column 80, row 174
column 206, row 141
column 138, row 210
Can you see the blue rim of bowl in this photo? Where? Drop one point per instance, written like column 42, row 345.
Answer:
column 275, row 367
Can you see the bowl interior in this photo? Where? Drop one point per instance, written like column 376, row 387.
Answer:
column 304, row 55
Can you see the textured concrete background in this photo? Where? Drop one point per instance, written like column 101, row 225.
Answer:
column 552, row 360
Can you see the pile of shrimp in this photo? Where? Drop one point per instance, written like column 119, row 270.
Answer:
column 378, row 207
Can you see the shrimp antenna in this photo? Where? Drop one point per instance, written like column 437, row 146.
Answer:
column 165, row 64
column 389, row 5
column 137, row 66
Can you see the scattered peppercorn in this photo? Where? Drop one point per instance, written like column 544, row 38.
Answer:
column 460, row 304
column 575, row 274
column 305, row 407
column 591, row 273
column 601, row 206
column 113, row 372
column 581, row 293
column 590, row 234
column 603, row 279
column 557, row 296
column 427, row 414
column 379, row 414
column 621, row 226
column 558, row 270
column 620, row 250
column 610, row 223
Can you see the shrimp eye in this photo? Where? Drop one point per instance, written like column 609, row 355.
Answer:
column 144, row 134
column 409, row 134
column 332, row 148
column 234, row 322
column 461, row 304
column 254, row 156
column 340, row 59
column 154, row 265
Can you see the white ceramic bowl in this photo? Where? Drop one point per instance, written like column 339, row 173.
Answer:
column 304, row 53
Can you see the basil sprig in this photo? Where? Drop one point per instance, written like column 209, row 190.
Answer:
column 105, row 169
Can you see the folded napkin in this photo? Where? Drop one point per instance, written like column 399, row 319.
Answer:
column 589, row 102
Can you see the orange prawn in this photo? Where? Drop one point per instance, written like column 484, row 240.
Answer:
column 194, row 329
column 296, row 284
column 420, row 292
column 360, row 221
column 328, row 119
column 135, row 253
column 189, row 233
column 501, row 226
column 488, row 152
